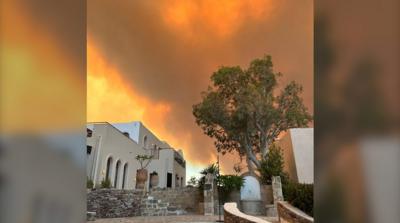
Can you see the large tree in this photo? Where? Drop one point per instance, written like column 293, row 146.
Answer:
column 243, row 113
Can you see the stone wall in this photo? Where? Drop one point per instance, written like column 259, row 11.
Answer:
column 289, row 214
column 186, row 198
column 233, row 215
column 111, row 203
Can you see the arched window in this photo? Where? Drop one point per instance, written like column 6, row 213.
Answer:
column 124, row 175
column 108, row 170
column 145, row 142
column 116, row 173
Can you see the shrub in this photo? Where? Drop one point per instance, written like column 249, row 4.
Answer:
column 300, row 196
column 89, row 183
column 272, row 165
column 229, row 183
column 106, row 183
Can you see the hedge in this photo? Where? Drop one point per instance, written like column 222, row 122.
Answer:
column 300, row 196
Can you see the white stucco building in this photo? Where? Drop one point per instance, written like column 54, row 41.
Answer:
column 111, row 152
column 298, row 152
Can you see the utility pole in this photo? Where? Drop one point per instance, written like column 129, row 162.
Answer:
column 218, row 189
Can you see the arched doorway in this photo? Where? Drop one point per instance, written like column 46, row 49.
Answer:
column 117, row 173
column 124, row 175
column 108, row 168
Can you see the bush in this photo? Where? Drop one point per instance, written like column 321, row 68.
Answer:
column 272, row 165
column 106, row 183
column 229, row 183
column 89, row 183
column 300, row 196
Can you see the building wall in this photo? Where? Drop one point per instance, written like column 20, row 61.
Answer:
column 303, row 144
column 179, row 171
column 138, row 132
column 298, row 152
column 108, row 141
column 167, row 164
column 285, row 144
column 162, row 166
column 151, row 141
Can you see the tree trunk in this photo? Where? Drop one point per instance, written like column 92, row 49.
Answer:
column 249, row 165
column 264, row 150
column 253, row 158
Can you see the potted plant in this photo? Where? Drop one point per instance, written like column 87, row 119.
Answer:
column 141, row 174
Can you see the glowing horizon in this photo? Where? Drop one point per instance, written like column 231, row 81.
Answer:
column 151, row 61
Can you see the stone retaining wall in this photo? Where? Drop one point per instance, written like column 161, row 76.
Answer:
column 289, row 214
column 233, row 215
column 112, row 203
column 186, row 198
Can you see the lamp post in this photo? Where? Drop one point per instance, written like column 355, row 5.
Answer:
column 218, row 190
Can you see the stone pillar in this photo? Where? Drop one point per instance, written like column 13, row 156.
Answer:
column 209, row 195
column 277, row 189
column 271, row 209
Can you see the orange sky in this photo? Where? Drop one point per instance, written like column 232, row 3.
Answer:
column 39, row 75
column 149, row 61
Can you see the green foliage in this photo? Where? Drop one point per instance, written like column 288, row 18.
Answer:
column 106, row 183
column 230, row 182
column 142, row 159
column 192, row 182
column 213, row 169
column 227, row 184
column 272, row 165
column 241, row 112
column 300, row 196
column 89, row 183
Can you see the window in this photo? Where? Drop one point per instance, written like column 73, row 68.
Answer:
column 145, row 142
column 88, row 150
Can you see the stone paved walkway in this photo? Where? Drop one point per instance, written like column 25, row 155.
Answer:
column 169, row 219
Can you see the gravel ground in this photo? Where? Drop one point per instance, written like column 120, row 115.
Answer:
column 168, row 219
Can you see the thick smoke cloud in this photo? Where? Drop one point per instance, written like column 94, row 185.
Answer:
column 166, row 51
